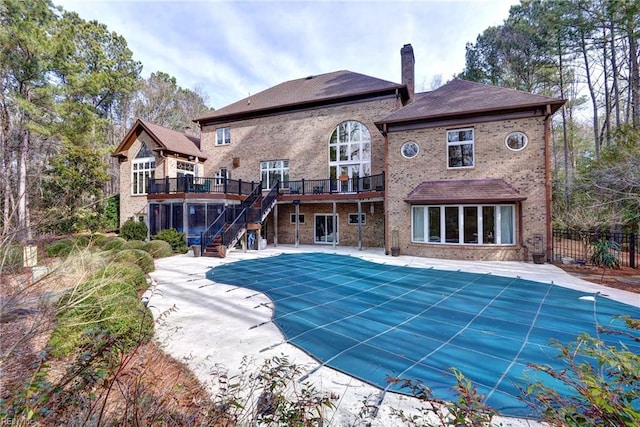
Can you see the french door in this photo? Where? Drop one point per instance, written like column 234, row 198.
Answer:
column 323, row 228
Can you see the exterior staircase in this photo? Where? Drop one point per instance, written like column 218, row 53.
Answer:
column 234, row 221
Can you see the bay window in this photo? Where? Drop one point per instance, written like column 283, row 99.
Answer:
column 464, row 224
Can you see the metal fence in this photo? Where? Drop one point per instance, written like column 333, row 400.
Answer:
column 578, row 245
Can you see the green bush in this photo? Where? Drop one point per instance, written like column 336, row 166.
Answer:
column 100, row 307
column 137, row 256
column 81, row 241
column 158, row 249
column 59, row 248
column 114, row 242
column 174, row 238
column 122, row 272
column 99, row 240
column 110, row 215
column 605, row 254
column 134, row 244
column 134, row 230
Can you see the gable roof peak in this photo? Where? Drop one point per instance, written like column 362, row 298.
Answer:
column 168, row 139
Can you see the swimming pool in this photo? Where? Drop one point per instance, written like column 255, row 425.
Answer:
column 375, row 321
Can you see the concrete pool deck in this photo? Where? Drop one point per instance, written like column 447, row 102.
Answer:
column 212, row 327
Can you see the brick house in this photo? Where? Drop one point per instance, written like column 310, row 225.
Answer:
column 347, row 159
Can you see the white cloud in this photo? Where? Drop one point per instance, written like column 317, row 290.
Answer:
column 231, row 49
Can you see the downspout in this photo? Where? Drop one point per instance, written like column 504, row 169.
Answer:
column 547, row 179
column 386, row 189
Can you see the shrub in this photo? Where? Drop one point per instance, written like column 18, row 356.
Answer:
column 99, row 240
column 110, row 215
column 158, row 249
column 174, row 238
column 269, row 395
column 605, row 380
column 59, row 248
column 134, row 244
column 122, row 272
column 468, row 410
column 100, row 307
column 605, row 254
column 81, row 241
column 133, row 230
column 114, row 243
column 137, row 256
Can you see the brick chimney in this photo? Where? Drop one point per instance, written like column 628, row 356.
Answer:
column 408, row 63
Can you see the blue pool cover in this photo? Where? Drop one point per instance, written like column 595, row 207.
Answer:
column 375, row 321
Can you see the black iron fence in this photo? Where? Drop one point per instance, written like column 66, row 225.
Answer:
column 343, row 184
column 190, row 184
column 577, row 246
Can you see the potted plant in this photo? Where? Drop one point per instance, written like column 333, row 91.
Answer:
column 395, row 243
column 538, row 254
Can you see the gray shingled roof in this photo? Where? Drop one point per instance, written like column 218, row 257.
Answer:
column 464, row 191
column 460, row 97
column 176, row 142
column 170, row 140
column 309, row 90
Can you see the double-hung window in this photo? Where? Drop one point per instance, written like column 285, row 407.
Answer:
column 223, row 136
column 143, row 169
column 464, row 224
column 460, row 148
column 273, row 171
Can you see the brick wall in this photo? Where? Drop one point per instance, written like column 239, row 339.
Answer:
column 130, row 205
column 524, row 170
column 372, row 230
column 301, row 137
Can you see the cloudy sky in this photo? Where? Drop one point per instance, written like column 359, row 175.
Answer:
column 231, row 49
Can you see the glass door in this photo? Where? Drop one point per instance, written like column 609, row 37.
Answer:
column 323, row 228
column 347, row 176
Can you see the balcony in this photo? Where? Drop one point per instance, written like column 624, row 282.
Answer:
column 341, row 185
column 192, row 185
column 303, row 187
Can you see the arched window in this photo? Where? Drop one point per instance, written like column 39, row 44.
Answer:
column 143, row 170
column 349, row 153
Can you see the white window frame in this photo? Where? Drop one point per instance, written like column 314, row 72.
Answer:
column 277, row 168
column 461, row 144
column 351, row 145
column 498, row 223
column 223, row 136
column 520, row 138
column 221, row 176
column 143, row 171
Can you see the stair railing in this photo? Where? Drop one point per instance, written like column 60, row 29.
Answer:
column 268, row 200
column 214, row 229
column 232, row 220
